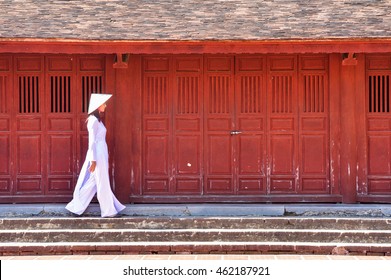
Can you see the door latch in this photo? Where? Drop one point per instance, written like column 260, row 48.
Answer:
column 235, row 132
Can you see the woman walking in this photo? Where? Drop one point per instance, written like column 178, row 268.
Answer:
column 94, row 175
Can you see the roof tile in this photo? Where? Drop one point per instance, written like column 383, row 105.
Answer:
column 195, row 19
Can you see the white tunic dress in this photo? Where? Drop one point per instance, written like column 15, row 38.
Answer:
column 97, row 182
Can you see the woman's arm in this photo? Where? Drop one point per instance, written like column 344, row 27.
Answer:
column 92, row 131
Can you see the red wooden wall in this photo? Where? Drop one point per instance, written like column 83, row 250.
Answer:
column 43, row 137
column 201, row 128
column 232, row 128
column 375, row 166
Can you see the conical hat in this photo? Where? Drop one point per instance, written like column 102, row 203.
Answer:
column 96, row 100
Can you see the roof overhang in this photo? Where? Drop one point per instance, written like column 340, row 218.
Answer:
column 195, row 47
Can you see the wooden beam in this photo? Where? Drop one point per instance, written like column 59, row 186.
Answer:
column 194, row 47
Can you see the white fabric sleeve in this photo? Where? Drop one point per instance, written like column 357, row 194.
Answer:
column 92, row 127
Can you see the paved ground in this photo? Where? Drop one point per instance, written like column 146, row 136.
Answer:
column 185, row 210
column 195, row 257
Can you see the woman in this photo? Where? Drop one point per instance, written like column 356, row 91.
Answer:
column 94, row 175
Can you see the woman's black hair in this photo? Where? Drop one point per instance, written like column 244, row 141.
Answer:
column 96, row 114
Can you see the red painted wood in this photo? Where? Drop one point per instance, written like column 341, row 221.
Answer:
column 375, row 150
column 250, row 121
column 305, row 127
column 29, row 142
column 283, row 169
column 314, row 119
column 348, row 132
column 260, row 127
column 6, row 152
column 195, row 47
column 219, row 122
column 42, row 123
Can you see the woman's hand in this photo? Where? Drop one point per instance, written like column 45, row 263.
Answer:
column 92, row 166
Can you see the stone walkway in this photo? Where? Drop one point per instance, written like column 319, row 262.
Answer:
column 195, row 257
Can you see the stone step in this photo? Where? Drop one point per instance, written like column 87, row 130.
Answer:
column 197, row 223
column 119, row 248
column 169, row 235
column 197, row 235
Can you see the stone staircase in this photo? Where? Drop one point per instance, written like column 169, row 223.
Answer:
column 195, row 235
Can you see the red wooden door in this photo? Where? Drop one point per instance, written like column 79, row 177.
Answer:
column 250, row 128
column 43, row 105
column 238, row 127
column 374, row 183
column 6, row 101
column 172, row 126
column 219, row 116
column 283, row 171
column 28, row 137
column 235, row 110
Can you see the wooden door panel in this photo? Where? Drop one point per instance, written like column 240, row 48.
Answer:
column 313, row 128
column 157, row 151
column 313, row 164
column 156, row 164
column 29, row 163
column 250, row 119
column 379, row 155
column 5, row 163
column 188, row 186
column 61, row 162
column 378, row 186
column 251, row 150
column 60, row 135
column 314, row 185
column 28, row 185
column 219, row 186
column 156, row 155
column 313, row 156
column 156, row 186
column 6, row 169
column 376, row 170
column 60, row 151
column 29, row 154
column 5, row 186
column 280, row 185
column 282, row 152
column 187, row 151
column 29, row 134
column 188, row 125
column 219, row 116
column 5, row 154
column 282, row 125
column 251, row 169
column 219, row 155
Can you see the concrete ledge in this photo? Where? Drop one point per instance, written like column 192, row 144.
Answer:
column 208, row 210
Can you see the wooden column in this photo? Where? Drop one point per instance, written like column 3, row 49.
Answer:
column 348, row 91
column 122, row 133
column 335, row 122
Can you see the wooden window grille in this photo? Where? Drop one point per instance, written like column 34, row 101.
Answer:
column 28, row 94
column 3, row 95
column 90, row 84
column 251, row 95
column 314, row 94
column 188, row 95
column 379, row 94
column 282, row 91
column 60, row 94
column 219, row 95
column 156, row 96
